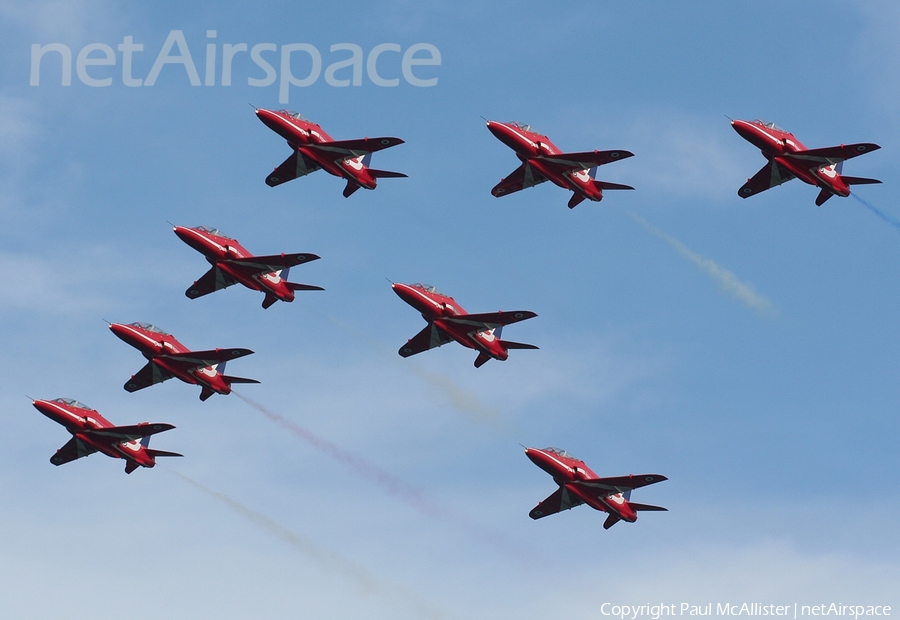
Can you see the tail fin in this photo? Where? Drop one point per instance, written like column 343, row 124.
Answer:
column 575, row 200
column 367, row 160
column 130, row 466
column 481, row 359
column 611, row 520
column 822, row 197
column 269, row 300
column 351, row 187
column 205, row 393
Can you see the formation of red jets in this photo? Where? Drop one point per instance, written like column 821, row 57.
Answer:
column 446, row 321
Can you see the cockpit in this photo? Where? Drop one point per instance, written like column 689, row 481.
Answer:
column 521, row 126
column 429, row 289
column 151, row 328
column 561, row 453
column 69, row 402
column 768, row 125
column 293, row 114
column 213, row 231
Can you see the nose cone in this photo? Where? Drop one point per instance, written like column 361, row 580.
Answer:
column 744, row 129
column 41, row 405
column 270, row 119
column 403, row 291
column 123, row 332
column 500, row 130
column 182, row 232
column 536, row 456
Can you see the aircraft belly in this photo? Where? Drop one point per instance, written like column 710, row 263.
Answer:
column 800, row 171
column 174, row 370
column 458, row 333
column 549, row 173
column 237, row 275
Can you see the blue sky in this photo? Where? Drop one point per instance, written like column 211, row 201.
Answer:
column 777, row 427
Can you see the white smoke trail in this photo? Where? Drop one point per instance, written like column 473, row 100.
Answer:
column 727, row 281
column 367, row 582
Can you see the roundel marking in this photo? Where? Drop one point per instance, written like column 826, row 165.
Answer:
column 407, row 350
column 301, row 258
column 385, row 141
column 193, row 291
column 518, row 315
column 746, row 190
column 861, row 148
column 500, row 190
column 130, row 386
column 615, row 154
column 235, row 353
column 156, row 427
column 538, row 513
column 649, row 479
column 274, row 179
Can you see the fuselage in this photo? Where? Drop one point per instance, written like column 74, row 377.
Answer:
column 77, row 418
column 218, row 248
column 530, row 146
column 565, row 470
column 300, row 133
column 436, row 307
column 779, row 145
column 155, row 344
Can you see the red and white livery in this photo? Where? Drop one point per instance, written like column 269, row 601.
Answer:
column 543, row 161
column 233, row 264
column 447, row 321
column 579, row 485
column 789, row 159
column 314, row 149
column 169, row 358
column 91, row 432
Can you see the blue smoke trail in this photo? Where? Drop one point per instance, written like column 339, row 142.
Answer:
column 887, row 218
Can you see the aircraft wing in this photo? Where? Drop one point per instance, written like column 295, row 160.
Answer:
column 429, row 338
column 834, row 154
column 149, row 375
column 558, row 501
column 588, row 159
column 618, row 484
column 202, row 359
column 128, row 433
column 213, row 280
column 73, row 449
column 521, row 178
column 268, row 264
column 769, row 176
column 297, row 165
column 342, row 149
column 490, row 320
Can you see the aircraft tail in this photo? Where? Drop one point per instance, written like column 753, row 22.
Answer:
column 822, row 197
column 303, row 287
column 611, row 520
column 269, row 300
column 130, row 466
column 508, row 344
column 576, row 199
column 608, row 185
column 646, row 507
column 351, row 187
column 229, row 379
column 859, row 180
column 481, row 359
column 205, row 393
column 386, row 174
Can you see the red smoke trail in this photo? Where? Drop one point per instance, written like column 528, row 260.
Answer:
column 390, row 483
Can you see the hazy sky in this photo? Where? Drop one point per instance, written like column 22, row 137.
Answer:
column 746, row 349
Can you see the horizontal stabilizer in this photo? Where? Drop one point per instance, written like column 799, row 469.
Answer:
column 608, row 185
column 646, row 507
column 386, row 174
column 303, row 287
column 229, row 379
column 156, row 453
column 128, row 433
column 508, row 344
column 859, row 180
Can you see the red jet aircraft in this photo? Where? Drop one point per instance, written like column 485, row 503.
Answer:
column 788, row 158
column 579, row 485
column 542, row 161
column 169, row 358
column 91, row 432
column 447, row 321
column 315, row 149
column 232, row 264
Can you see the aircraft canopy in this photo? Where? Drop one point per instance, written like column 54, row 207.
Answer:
column 430, row 289
column 151, row 328
column 293, row 114
column 521, row 126
column 213, row 231
column 70, row 402
column 769, row 124
column 561, row 453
